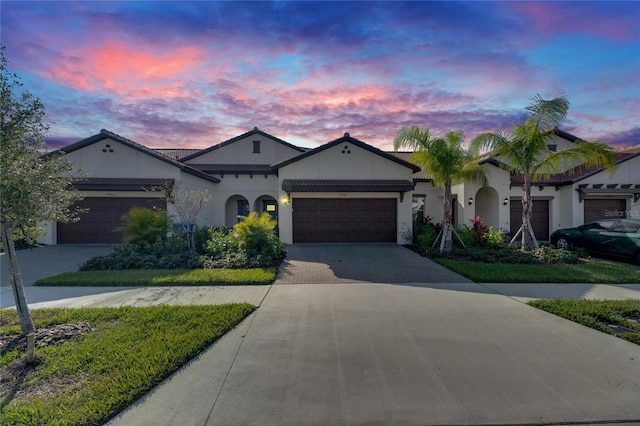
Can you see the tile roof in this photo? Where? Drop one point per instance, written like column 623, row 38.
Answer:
column 234, row 168
column 346, row 185
column 176, row 153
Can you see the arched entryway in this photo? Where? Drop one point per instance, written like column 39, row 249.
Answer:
column 268, row 204
column 487, row 206
column 236, row 206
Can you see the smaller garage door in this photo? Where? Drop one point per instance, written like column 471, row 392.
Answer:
column 539, row 218
column 98, row 225
column 607, row 208
column 317, row 220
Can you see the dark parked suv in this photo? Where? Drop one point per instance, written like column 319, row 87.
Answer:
column 617, row 237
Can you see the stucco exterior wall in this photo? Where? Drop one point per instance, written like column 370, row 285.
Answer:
column 354, row 163
column 120, row 161
column 241, row 152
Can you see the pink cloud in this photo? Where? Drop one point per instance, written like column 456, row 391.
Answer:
column 553, row 18
column 126, row 70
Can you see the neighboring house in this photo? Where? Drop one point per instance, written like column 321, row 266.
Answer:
column 575, row 196
column 342, row 191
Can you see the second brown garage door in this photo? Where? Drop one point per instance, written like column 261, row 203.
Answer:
column 539, row 218
column 605, row 208
column 317, row 220
column 97, row 226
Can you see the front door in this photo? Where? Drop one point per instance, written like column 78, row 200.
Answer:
column 243, row 209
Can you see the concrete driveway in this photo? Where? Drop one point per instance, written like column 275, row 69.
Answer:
column 360, row 263
column 41, row 262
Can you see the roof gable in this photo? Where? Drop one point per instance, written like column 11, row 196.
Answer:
column 250, row 133
column 105, row 134
column 347, row 139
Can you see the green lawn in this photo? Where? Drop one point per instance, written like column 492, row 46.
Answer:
column 596, row 271
column 92, row 377
column 162, row 277
column 598, row 313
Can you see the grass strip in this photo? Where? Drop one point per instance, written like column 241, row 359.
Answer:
column 162, row 277
column 90, row 378
column 600, row 271
column 599, row 315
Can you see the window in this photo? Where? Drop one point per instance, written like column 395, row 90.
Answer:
column 243, row 209
column 256, row 147
column 552, row 148
column 598, row 226
column 417, row 207
column 627, row 227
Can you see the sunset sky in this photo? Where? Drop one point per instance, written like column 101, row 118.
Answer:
column 193, row 74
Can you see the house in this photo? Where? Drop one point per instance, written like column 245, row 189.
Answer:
column 569, row 198
column 342, row 191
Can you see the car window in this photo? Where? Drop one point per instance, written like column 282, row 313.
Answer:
column 597, row 226
column 627, row 227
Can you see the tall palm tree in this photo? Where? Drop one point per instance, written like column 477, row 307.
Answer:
column 525, row 151
column 446, row 161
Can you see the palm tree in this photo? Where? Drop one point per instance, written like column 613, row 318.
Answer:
column 525, row 151
column 446, row 161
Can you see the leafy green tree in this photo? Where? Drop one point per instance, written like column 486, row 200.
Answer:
column 525, row 151
column 446, row 161
column 34, row 187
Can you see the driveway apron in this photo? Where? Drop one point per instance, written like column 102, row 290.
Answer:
column 360, row 263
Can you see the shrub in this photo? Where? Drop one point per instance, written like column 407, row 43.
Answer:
column 495, row 238
column 200, row 238
column 419, row 227
column 171, row 255
column 480, row 230
column 250, row 245
column 550, row 255
column 465, row 232
column 144, row 226
column 425, row 239
column 256, row 235
column 221, row 242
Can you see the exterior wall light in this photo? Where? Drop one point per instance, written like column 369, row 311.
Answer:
column 284, row 200
column 470, row 200
column 505, row 201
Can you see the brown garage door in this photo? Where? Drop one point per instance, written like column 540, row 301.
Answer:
column 98, row 225
column 596, row 209
column 317, row 220
column 539, row 218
